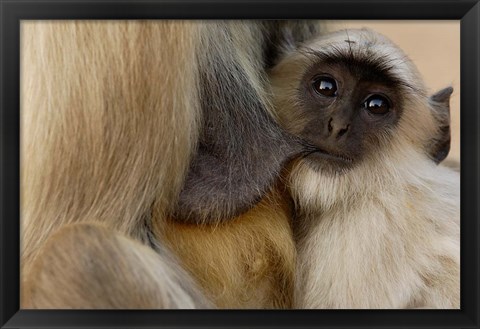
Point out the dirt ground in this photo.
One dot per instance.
(434, 46)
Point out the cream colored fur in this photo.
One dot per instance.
(386, 233)
(89, 266)
(96, 101)
(390, 243)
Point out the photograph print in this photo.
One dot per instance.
(239, 164)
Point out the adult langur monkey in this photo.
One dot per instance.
(376, 220)
(127, 123)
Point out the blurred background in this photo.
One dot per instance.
(434, 46)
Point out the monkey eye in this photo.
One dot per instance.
(377, 104)
(325, 86)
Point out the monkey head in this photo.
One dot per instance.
(355, 99)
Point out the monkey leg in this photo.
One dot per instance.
(88, 266)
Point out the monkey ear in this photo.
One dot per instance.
(440, 104)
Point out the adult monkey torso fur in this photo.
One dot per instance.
(124, 124)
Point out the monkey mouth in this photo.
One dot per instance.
(323, 154)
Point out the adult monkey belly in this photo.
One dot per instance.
(121, 121)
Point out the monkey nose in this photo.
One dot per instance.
(337, 128)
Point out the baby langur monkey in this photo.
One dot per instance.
(376, 220)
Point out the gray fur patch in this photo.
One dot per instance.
(241, 149)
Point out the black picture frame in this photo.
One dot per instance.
(13, 11)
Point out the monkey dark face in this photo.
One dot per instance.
(348, 109)
(352, 96)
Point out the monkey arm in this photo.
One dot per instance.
(90, 266)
